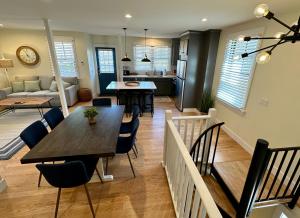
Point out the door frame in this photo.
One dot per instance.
(97, 66)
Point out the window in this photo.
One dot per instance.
(106, 60)
(236, 75)
(65, 53)
(160, 57)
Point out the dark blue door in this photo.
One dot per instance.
(107, 70)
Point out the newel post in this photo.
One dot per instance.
(168, 116)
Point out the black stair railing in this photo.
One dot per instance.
(271, 179)
(204, 149)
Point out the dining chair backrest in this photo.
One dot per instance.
(135, 112)
(54, 117)
(64, 175)
(34, 133)
(125, 143)
(102, 102)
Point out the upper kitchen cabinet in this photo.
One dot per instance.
(183, 48)
(175, 52)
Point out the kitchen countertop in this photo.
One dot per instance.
(121, 85)
(148, 76)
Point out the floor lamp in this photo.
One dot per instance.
(6, 63)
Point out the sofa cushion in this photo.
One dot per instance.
(71, 80)
(18, 86)
(18, 95)
(32, 86)
(41, 93)
(46, 82)
(53, 87)
(27, 78)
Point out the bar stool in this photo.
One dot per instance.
(148, 101)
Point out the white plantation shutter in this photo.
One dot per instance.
(160, 57)
(236, 75)
(65, 53)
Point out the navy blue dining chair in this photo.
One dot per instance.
(54, 117)
(102, 102)
(32, 135)
(68, 175)
(125, 143)
(126, 127)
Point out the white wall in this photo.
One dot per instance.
(278, 81)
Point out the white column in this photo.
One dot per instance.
(2, 184)
(58, 79)
(168, 116)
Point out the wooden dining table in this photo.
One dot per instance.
(74, 137)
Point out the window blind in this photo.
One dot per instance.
(65, 54)
(106, 60)
(160, 57)
(236, 74)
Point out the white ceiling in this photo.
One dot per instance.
(164, 18)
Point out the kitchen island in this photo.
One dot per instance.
(166, 85)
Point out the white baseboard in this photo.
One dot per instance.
(237, 138)
(3, 185)
(191, 110)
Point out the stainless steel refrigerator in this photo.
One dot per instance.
(180, 84)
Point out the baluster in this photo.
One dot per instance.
(291, 179)
(185, 132)
(209, 145)
(286, 172)
(202, 212)
(183, 193)
(192, 133)
(268, 175)
(196, 204)
(191, 186)
(179, 126)
(203, 151)
(181, 185)
(277, 173)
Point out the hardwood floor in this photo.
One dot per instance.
(145, 196)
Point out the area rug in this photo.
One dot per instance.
(11, 125)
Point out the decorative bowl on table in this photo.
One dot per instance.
(132, 83)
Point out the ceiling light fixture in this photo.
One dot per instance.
(146, 59)
(204, 19)
(128, 16)
(292, 35)
(1, 25)
(125, 58)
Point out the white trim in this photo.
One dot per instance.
(237, 138)
(3, 184)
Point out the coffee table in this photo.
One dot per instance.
(36, 102)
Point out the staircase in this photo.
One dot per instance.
(270, 178)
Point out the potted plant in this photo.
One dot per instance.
(207, 101)
(91, 113)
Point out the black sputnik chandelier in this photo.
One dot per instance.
(292, 35)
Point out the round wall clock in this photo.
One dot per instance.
(28, 55)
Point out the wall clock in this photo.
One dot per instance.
(28, 55)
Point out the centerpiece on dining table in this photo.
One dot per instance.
(91, 114)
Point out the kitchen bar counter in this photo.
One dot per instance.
(148, 76)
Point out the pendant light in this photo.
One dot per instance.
(146, 59)
(125, 58)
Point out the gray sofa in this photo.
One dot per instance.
(45, 83)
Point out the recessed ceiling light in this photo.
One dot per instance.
(128, 16)
(204, 19)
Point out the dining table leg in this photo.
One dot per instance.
(105, 178)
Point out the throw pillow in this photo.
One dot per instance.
(17, 86)
(53, 87)
(32, 86)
